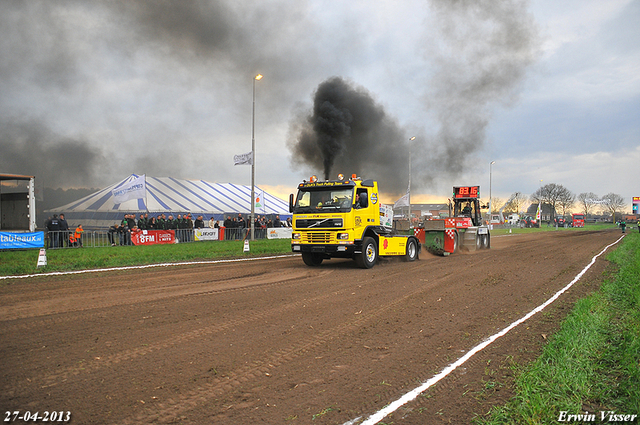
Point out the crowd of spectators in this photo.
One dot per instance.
(261, 222)
(120, 233)
(59, 234)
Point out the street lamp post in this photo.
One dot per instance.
(490, 176)
(253, 157)
(411, 139)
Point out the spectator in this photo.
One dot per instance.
(113, 231)
(78, 235)
(180, 224)
(172, 224)
(54, 231)
(152, 224)
(131, 221)
(288, 222)
(276, 221)
(64, 231)
(199, 223)
(189, 227)
(125, 231)
(72, 240)
(241, 223)
(47, 222)
(142, 222)
(134, 232)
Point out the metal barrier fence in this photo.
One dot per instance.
(103, 238)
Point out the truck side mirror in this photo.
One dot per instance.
(291, 202)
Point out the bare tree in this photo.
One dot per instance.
(586, 202)
(549, 194)
(614, 203)
(566, 199)
(515, 203)
(496, 204)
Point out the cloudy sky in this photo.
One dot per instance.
(95, 91)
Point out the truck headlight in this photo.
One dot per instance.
(343, 236)
(295, 236)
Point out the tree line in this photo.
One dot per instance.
(563, 201)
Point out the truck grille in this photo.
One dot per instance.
(318, 237)
(319, 223)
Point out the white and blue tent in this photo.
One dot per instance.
(169, 195)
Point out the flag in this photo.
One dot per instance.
(259, 201)
(405, 200)
(402, 202)
(538, 213)
(245, 158)
(135, 189)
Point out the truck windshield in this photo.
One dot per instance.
(324, 200)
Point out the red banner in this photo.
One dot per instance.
(152, 237)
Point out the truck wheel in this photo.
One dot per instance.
(369, 255)
(311, 259)
(412, 250)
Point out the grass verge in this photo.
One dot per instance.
(25, 261)
(545, 228)
(592, 364)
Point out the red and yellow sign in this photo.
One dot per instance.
(152, 237)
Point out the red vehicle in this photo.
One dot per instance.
(578, 220)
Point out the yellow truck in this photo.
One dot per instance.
(344, 219)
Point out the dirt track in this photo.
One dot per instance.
(276, 342)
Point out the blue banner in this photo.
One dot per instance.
(14, 240)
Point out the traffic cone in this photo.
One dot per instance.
(42, 258)
(246, 245)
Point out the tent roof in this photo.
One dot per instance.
(166, 194)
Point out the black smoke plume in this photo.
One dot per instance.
(31, 148)
(478, 58)
(349, 132)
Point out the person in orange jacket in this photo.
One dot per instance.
(78, 235)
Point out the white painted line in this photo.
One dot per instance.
(381, 414)
(146, 266)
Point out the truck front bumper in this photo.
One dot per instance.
(330, 250)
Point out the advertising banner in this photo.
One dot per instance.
(636, 205)
(152, 237)
(206, 234)
(15, 240)
(279, 233)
